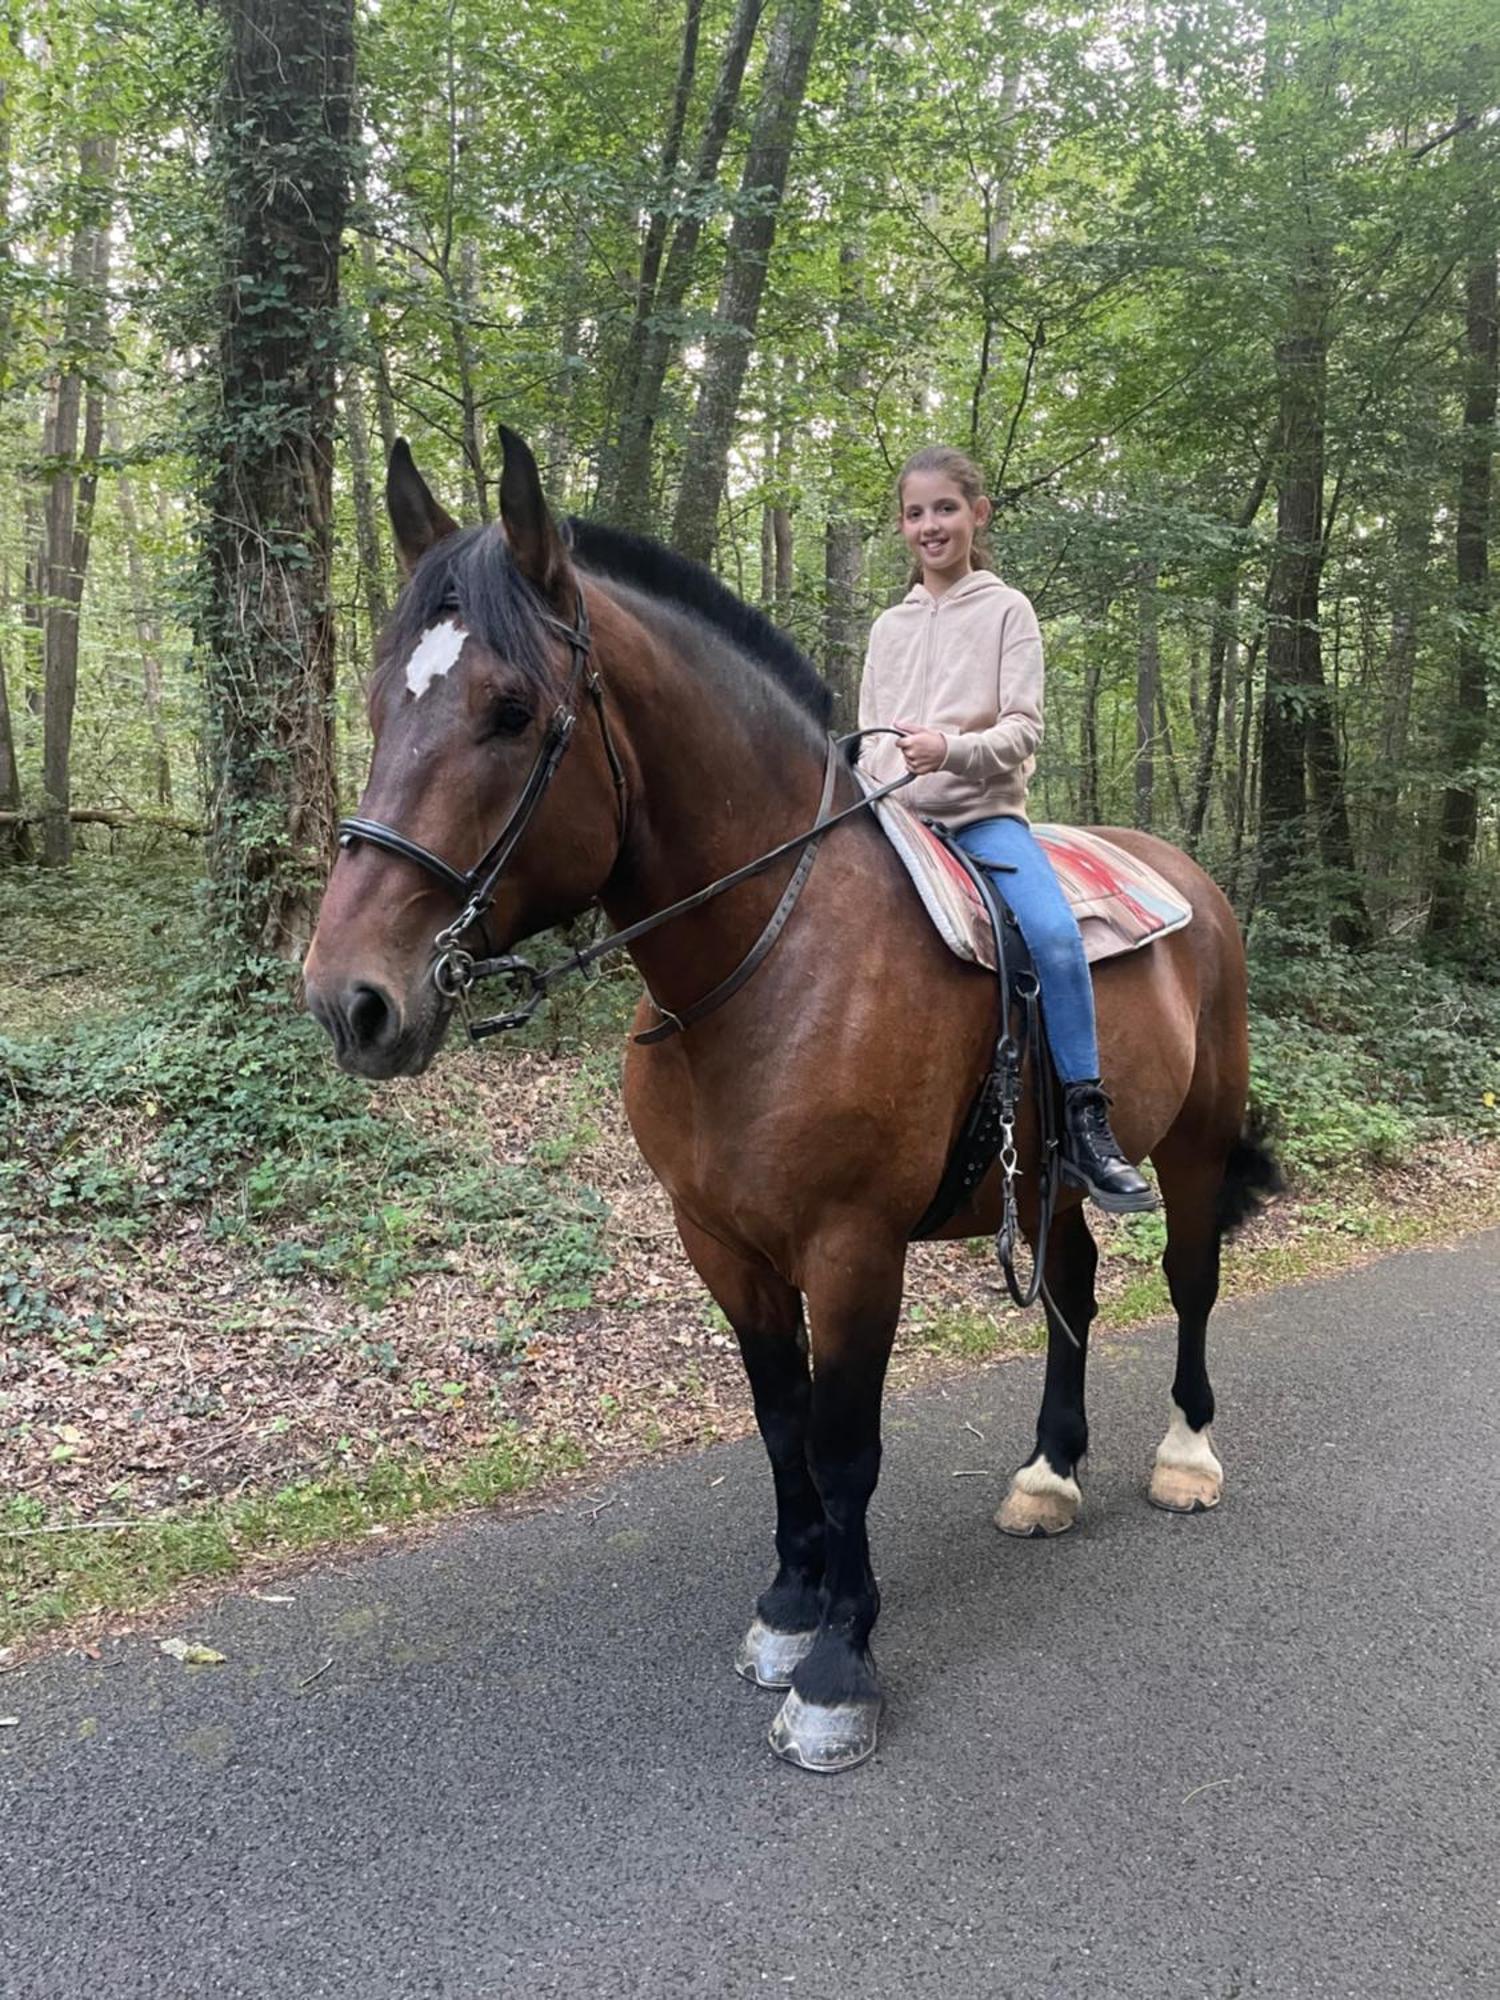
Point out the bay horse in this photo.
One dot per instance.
(801, 1127)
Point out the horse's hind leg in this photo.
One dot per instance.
(1187, 1477)
(1044, 1496)
(766, 1314)
(829, 1719)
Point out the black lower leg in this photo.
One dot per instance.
(1191, 1264)
(1062, 1431)
(845, 1462)
(781, 1386)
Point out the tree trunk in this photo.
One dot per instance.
(628, 499)
(1221, 646)
(1413, 546)
(69, 514)
(1458, 817)
(34, 583)
(1292, 595)
(1213, 703)
(558, 467)
(1301, 777)
(147, 623)
(1246, 786)
(1147, 678)
(385, 402)
(786, 572)
(366, 520)
(1088, 746)
(843, 535)
(653, 245)
(13, 843)
(843, 627)
(9, 54)
(999, 212)
(267, 629)
(462, 302)
(788, 55)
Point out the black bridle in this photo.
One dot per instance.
(455, 970)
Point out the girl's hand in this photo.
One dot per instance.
(923, 749)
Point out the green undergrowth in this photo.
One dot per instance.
(52, 1571)
(175, 1095)
(1360, 1058)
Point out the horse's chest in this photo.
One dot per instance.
(711, 1144)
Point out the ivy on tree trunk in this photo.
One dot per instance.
(265, 622)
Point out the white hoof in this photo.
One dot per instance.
(1187, 1477)
(1040, 1503)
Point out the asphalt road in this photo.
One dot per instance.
(1250, 1753)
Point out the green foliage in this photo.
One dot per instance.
(1359, 1056)
(1064, 240)
(198, 1097)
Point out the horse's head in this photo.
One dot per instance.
(475, 677)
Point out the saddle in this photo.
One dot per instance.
(1120, 902)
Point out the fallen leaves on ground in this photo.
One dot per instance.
(197, 1376)
(190, 1653)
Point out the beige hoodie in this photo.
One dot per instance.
(970, 664)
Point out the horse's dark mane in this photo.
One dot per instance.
(661, 572)
(471, 577)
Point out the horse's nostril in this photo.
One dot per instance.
(372, 1018)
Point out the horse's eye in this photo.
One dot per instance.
(508, 718)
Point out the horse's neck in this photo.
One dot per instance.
(720, 776)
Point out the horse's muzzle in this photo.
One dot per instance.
(370, 1034)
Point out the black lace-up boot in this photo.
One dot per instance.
(1092, 1158)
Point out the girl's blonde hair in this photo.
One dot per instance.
(966, 476)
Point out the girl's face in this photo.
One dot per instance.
(939, 523)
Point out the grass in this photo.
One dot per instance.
(967, 1334)
(53, 1571)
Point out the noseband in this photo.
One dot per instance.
(455, 970)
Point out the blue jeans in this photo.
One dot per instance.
(1051, 934)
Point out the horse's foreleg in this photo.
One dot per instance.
(830, 1718)
(1187, 1477)
(766, 1314)
(1044, 1497)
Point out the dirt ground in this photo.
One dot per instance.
(185, 1372)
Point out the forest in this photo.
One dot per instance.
(1208, 289)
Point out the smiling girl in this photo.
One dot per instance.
(957, 668)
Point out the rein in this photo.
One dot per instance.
(456, 971)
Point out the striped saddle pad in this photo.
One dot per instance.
(1120, 902)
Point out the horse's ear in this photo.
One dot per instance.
(420, 523)
(535, 544)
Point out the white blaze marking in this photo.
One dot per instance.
(434, 653)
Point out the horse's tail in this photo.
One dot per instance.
(1251, 1173)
